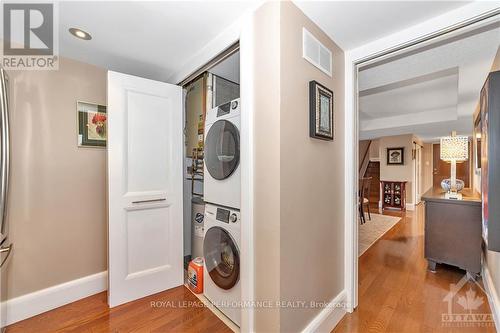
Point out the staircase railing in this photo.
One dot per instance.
(363, 165)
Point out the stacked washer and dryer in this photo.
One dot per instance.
(222, 193)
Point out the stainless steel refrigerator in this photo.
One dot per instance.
(5, 243)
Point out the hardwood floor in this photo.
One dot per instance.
(175, 310)
(398, 294)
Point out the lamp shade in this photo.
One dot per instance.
(455, 148)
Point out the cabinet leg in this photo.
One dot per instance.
(472, 276)
(431, 266)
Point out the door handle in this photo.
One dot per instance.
(149, 201)
(7, 249)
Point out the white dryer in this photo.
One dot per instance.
(222, 172)
(221, 250)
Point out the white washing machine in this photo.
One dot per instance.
(221, 250)
(222, 172)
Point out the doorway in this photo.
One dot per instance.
(384, 50)
(213, 94)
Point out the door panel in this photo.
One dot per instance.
(154, 225)
(442, 169)
(144, 187)
(146, 142)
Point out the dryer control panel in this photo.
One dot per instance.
(224, 111)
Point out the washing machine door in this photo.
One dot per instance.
(222, 149)
(222, 258)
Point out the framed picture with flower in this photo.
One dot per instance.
(92, 124)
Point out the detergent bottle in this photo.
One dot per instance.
(195, 275)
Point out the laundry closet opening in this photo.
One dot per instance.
(212, 185)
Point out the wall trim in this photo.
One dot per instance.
(40, 301)
(247, 160)
(410, 206)
(330, 316)
(492, 293)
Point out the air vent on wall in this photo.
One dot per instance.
(316, 53)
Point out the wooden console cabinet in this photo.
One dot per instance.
(393, 194)
(453, 230)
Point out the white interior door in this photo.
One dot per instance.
(145, 144)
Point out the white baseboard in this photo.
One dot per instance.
(330, 316)
(40, 301)
(493, 296)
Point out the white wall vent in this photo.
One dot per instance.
(316, 53)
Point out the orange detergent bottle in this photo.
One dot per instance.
(195, 275)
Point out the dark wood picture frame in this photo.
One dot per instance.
(321, 122)
(402, 154)
(477, 140)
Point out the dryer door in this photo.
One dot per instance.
(222, 258)
(222, 149)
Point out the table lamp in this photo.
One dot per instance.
(454, 149)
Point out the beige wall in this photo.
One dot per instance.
(362, 149)
(57, 203)
(493, 258)
(299, 215)
(375, 150)
(312, 176)
(398, 172)
(266, 40)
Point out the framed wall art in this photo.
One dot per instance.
(477, 143)
(320, 112)
(396, 156)
(92, 124)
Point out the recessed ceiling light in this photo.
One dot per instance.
(79, 33)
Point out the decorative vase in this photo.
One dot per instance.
(446, 185)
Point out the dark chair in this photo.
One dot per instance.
(363, 198)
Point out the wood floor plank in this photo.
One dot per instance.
(180, 311)
(396, 292)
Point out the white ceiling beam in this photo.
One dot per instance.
(409, 119)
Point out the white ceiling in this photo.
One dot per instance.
(354, 23)
(156, 39)
(149, 39)
(427, 93)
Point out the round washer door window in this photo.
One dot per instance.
(222, 149)
(222, 258)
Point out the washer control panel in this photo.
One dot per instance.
(227, 216)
